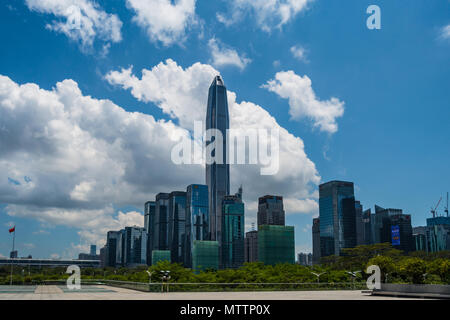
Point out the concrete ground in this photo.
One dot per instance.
(51, 292)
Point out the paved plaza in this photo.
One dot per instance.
(100, 292)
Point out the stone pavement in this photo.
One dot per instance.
(99, 292)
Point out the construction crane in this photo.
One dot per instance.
(446, 207)
(433, 211)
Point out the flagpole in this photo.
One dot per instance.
(11, 258)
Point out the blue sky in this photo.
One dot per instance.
(392, 139)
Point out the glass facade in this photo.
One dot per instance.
(197, 217)
(177, 226)
(217, 174)
(161, 236)
(113, 257)
(232, 232)
(205, 255)
(276, 244)
(316, 240)
(134, 246)
(251, 246)
(160, 255)
(337, 217)
(149, 225)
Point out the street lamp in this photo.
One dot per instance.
(353, 274)
(149, 276)
(165, 277)
(318, 275)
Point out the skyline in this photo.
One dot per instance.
(390, 144)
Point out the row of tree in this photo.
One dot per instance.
(417, 267)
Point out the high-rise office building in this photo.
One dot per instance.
(359, 223)
(270, 210)
(251, 246)
(134, 246)
(161, 235)
(400, 229)
(367, 227)
(113, 256)
(316, 241)
(232, 232)
(197, 217)
(217, 173)
(304, 259)
(160, 255)
(380, 223)
(276, 244)
(205, 255)
(337, 217)
(149, 226)
(177, 226)
(93, 251)
(420, 239)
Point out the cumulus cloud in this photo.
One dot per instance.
(165, 21)
(81, 20)
(299, 53)
(223, 56)
(303, 102)
(268, 13)
(445, 32)
(83, 157)
(182, 93)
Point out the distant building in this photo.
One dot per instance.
(276, 244)
(103, 252)
(160, 255)
(197, 217)
(161, 235)
(271, 211)
(149, 225)
(367, 227)
(438, 237)
(88, 256)
(205, 255)
(420, 239)
(233, 226)
(113, 255)
(316, 241)
(177, 226)
(93, 250)
(134, 246)
(304, 259)
(337, 217)
(251, 246)
(359, 223)
(13, 254)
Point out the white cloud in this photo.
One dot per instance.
(183, 93)
(303, 102)
(164, 20)
(268, 13)
(81, 20)
(299, 53)
(223, 56)
(445, 32)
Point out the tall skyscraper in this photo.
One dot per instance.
(217, 173)
(134, 246)
(270, 210)
(316, 241)
(113, 256)
(197, 217)
(251, 246)
(359, 223)
(161, 235)
(177, 226)
(93, 250)
(337, 217)
(149, 225)
(232, 232)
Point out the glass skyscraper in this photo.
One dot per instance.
(149, 225)
(205, 255)
(177, 226)
(232, 232)
(197, 217)
(134, 246)
(217, 174)
(337, 217)
(161, 235)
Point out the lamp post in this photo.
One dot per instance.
(353, 274)
(165, 276)
(318, 275)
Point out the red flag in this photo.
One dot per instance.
(12, 229)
